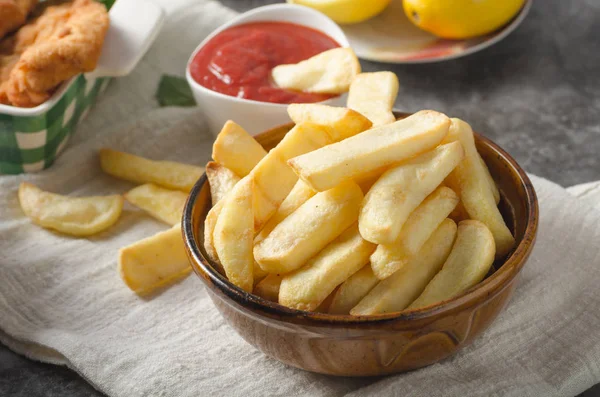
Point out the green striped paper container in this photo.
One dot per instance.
(31, 139)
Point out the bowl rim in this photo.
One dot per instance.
(241, 20)
(488, 288)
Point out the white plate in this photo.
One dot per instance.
(391, 37)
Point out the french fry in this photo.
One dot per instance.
(166, 205)
(307, 287)
(401, 189)
(209, 227)
(469, 261)
(373, 149)
(329, 72)
(268, 287)
(235, 149)
(234, 233)
(154, 261)
(396, 292)
(137, 169)
(220, 179)
(273, 178)
(490, 180)
(470, 181)
(353, 290)
(417, 229)
(309, 229)
(298, 196)
(373, 95)
(343, 122)
(230, 148)
(76, 216)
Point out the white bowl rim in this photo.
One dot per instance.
(239, 20)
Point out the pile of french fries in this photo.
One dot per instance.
(354, 212)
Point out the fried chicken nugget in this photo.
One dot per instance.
(62, 42)
(13, 14)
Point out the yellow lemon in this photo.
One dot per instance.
(461, 19)
(346, 11)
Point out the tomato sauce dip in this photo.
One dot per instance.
(238, 61)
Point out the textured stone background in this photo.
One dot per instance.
(536, 93)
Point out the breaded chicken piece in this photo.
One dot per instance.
(62, 42)
(13, 14)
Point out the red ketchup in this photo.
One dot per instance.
(238, 61)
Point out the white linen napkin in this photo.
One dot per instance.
(62, 301)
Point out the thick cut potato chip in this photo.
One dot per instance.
(395, 293)
(344, 122)
(471, 182)
(235, 149)
(298, 196)
(469, 261)
(154, 261)
(417, 229)
(234, 233)
(137, 169)
(307, 287)
(273, 178)
(329, 72)
(373, 149)
(163, 204)
(401, 189)
(324, 306)
(268, 287)
(220, 179)
(373, 95)
(353, 290)
(309, 229)
(76, 216)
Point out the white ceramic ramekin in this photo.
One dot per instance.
(257, 116)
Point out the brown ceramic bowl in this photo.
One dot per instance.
(371, 345)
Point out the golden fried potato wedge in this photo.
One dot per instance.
(268, 287)
(401, 189)
(309, 229)
(236, 149)
(307, 287)
(76, 216)
(353, 290)
(490, 180)
(344, 122)
(373, 149)
(373, 95)
(399, 290)
(154, 261)
(324, 306)
(417, 229)
(169, 174)
(469, 261)
(472, 184)
(209, 228)
(329, 72)
(166, 205)
(220, 179)
(234, 233)
(298, 196)
(273, 178)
